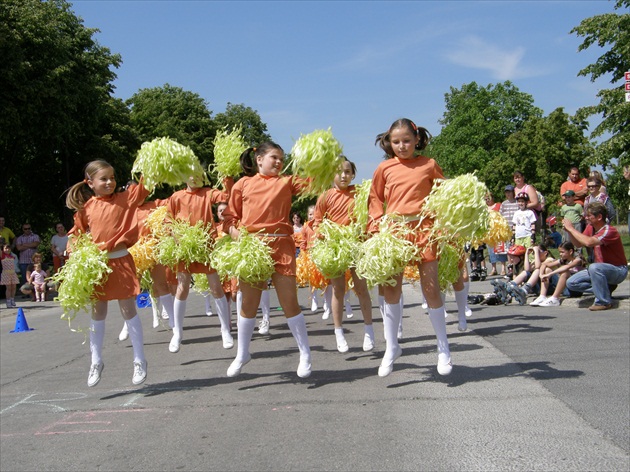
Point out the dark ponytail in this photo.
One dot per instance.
(248, 158)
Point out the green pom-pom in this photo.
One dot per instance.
(228, 148)
(317, 156)
(248, 259)
(335, 254)
(164, 161)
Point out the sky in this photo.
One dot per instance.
(354, 66)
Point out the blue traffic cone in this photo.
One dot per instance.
(20, 322)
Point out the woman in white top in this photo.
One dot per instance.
(58, 244)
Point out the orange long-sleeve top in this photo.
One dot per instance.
(196, 204)
(111, 220)
(309, 235)
(400, 187)
(335, 205)
(263, 203)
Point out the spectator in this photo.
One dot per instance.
(575, 183)
(58, 245)
(595, 194)
(27, 288)
(571, 211)
(610, 266)
(520, 187)
(554, 236)
(496, 254)
(26, 245)
(6, 233)
(524, 222)
(596, 173)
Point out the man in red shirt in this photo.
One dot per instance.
(577, 184)
(610, 266)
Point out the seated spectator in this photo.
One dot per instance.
(27, 288)
(554, 238)
(528, 281)
(610, 266)
(556, 272)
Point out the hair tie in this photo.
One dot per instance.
(85, 181)
(254, 149)
(413, 125)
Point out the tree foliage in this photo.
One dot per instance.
(476, 125)
(254, 130)
(546, 148)
(56, 109)
(610, 32)
(175, 113)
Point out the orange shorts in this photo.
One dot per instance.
(420, 238)
(122, 283)
(283, 254)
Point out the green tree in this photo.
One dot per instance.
(611, 31)
(476, 125)
(175, 113)
(545, 149)
(56, 110)
(254, 130)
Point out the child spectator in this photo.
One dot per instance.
(38, 281)
(554, 236)
(556, 272)
(524, 222)
(571, 210)
(528, 281)
(9, 276)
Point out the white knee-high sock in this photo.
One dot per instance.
(391, 321)
(207, 296)
(179, 310)
(265, 306)
(168, 303)
(137, 338)
(328, 298)
(156, 308)
(461, 297)
(239, 304)
(346, 301)
(223, 310)
(245, 328)
(297, 325)
(467, 289)
(381, 305)
(97, 336)
(436, 315)
(402, 307)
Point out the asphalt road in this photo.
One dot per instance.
(531, 389)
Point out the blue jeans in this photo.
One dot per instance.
(597, 278)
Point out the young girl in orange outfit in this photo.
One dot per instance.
(399, 188)
(194, 204)
(336, 205)
(260, 202)
(110, 218)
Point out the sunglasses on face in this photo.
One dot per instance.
(592, 186)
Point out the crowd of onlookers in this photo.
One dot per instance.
(590, 252)
(23, 267)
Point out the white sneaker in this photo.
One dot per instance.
(175, 344)
(342, 344)
(209, 313)
(425, 305)
(326, 315)
(236, 366)
(385, 369)
(538, 301)
(445, 368)
(468, 312)
(304, 367)
(94, 375)
(551, 301)
(368, 342)
(124, 333)
(228, 340)
(263, 327)
(139, 372)
(462, 326)
(349, 314)
(164, 314)
(399, 335)
(314, 305)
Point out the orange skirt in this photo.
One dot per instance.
(283, 254)
(122, 283)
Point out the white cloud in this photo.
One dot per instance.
(503, 64)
